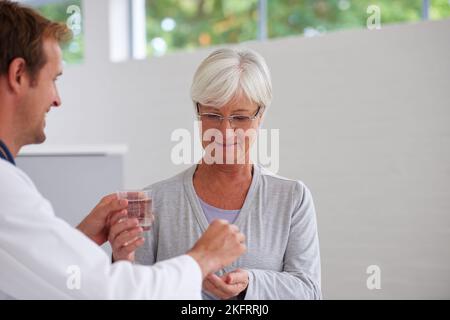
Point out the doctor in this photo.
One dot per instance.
(41, 256)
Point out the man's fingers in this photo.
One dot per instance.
(109, 204)
(121, 226)
(241, 237)
(108, 198)
(115, 204)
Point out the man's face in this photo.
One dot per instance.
(42, 95)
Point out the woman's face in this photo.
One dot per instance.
(225, 142)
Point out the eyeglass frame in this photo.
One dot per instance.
(229, 118)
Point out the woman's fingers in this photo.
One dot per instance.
(237, 276)
(115, 217)
(121, 226)
(208, 286)
(126, 237)
(220, 285)
(125, 251)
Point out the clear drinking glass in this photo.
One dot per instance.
(139, 206)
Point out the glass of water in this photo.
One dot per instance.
(139, 206)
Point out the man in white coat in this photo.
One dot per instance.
(41, 256)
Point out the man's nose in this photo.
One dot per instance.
(57, 101)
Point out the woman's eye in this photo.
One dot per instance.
(240, 118)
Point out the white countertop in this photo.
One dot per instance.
(64, 150)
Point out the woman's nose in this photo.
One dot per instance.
(225, 124)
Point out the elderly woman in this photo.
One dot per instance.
(231, 90)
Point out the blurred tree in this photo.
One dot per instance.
(188, 24)
(288, 17)
(440, 9)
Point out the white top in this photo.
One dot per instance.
(43, 257)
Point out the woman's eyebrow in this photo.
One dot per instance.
(209, 109)
(215, 110)
(242, 110)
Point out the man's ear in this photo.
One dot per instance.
(17, 74)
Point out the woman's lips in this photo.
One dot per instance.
(227, 145)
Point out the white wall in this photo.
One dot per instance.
(364, 119)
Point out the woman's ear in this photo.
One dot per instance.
(261, 118)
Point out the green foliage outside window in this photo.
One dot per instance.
(187, 24)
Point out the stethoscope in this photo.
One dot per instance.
(5, 154)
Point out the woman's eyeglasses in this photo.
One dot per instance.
(236, 121)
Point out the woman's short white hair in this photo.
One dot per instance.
(227, 73)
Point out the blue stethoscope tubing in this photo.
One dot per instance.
(6, 154)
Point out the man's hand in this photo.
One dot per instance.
(220, 245)
(227, 286)
(96, 224)
(124, 237)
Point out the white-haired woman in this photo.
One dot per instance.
(231, 90)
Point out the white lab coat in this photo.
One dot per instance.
(43, 257)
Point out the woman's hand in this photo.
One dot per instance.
(227, 286)
(125, 236)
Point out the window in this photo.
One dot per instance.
(189, 24)
(66, 11)
(439, 9)
(157, 27)
(289, 17)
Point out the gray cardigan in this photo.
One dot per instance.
(278, 219)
